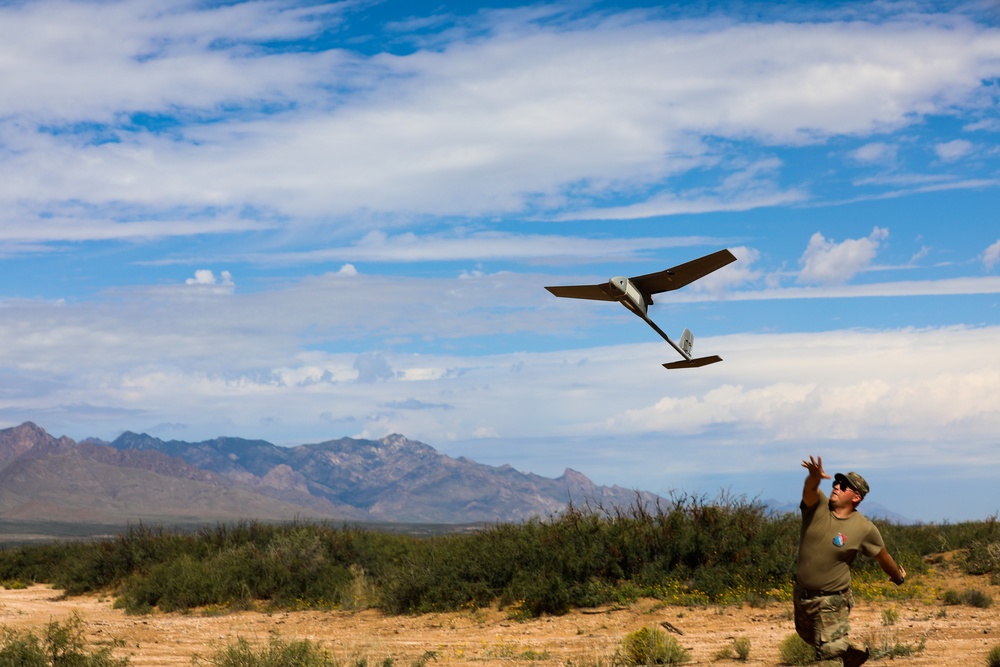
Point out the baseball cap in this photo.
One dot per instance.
(855, 481)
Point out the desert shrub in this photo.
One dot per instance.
(276, 653)
(21, 650)
(741, 645)
(983, 557)
(886, 643)
(977, 598)
(993, 657)
(652, 646)
(972, 597)
(794, 650)
(951, 597)
(61, 645)
(739, 649)
(689, 550)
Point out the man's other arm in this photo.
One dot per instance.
(896, 573)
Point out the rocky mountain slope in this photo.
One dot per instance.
(393, 479)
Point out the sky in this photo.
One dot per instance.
(298, 220)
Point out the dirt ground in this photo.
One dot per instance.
(956, 636)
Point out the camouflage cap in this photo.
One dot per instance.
(855, 481)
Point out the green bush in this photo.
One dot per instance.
(951, 597)
(276, 653)
(741, 645)
(689, 550)
(972, 597)
(983, 557)
(738, 650)
(795, 651)
(61, 645)
(652, 646)
(993, 657)
(977, 598)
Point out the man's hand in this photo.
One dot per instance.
(815, 467)
(810, 490)
(895, 571)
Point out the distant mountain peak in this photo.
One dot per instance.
(391, 479)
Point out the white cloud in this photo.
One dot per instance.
(508, 121)
(372, 367)
(207, 277)
(906, 386)
(458, 244)
(730, 277)
(827, 262)
(771, 394)
(949, 151)
(875, 152)
(991, 256)
(67, 61)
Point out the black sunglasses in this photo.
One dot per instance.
(844, 485)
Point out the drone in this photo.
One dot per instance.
(636, 294)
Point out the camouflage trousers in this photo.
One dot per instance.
(822, 621)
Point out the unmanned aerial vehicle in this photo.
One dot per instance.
(636, 294)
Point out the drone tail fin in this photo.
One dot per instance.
(687, 342)
(685, 345)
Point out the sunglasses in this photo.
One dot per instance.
(844, 485)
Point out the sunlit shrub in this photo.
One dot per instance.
(276, 653)
(651, 646)
(61, 645)
(794, 650)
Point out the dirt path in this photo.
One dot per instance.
(956, 636)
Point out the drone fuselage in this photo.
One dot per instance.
(630, 296)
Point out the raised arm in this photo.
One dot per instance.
(810, 490)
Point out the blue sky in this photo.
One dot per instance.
(299, 221)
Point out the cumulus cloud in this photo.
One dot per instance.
(827, 262)
(207, 277)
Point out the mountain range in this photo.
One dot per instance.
(140, 477)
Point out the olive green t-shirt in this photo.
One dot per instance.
(829, 544)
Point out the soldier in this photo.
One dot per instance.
(833, 532)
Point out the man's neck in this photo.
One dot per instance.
(841, 512)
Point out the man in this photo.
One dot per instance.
(833, 532)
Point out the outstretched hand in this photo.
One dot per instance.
(815, 467)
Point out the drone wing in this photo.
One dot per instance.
(601, 292)
(679, 276)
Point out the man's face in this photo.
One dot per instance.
(843, 494)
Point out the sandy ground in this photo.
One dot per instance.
(956, 636)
